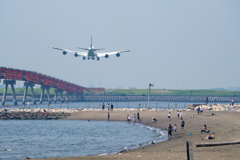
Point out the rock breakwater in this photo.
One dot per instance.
(31, 114)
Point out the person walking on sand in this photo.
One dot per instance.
(138, 116)
(111, 106)
(175, 128)
(182, 124)
(45, 113)
(108, 116)
(103, 105)
(169, 131)
(134, 118)
(169, 116)
(108, 106)
(178, 114)
(181, 114)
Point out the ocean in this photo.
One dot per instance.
(64, 138)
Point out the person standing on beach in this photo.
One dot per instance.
(182, 124)
(181, 114)
(232, 102)
(103, 105)
(108, 106)
(175, 128)
(108, 116)
(111, 106)
(129, 118)
(134, 118)
(169, 131)
(138, 116)
(178, 114)
(169, 116)
(28, 104)
(200, 108)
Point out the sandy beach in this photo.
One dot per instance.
(225, 125)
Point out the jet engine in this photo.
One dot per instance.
(118, 54)
(75, 54)
(64, 52)
(106, 56)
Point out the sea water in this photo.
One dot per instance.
(63, 138)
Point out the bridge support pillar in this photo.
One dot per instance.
(29, 84)
(62, 100)
(33, 95)
(7, 82)
(67, 97)
(81, 96)
(56, 94)
(42, 94)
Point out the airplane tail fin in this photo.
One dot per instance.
(91, 42)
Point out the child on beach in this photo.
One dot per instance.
(128, 118)
(175, 128)
(182, 124)
(134, 118)
(169, 116)
(140, 122)
(154, 119)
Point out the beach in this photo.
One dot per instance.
(225, 125)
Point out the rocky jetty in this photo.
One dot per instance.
(31, 114)
(222, 107)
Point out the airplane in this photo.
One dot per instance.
(90, 52)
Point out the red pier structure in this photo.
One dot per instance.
(30, 78)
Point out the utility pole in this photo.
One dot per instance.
(149, 94)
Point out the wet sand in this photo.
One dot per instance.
(225, 125)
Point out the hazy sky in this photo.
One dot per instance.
(178, 44)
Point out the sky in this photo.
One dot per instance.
(177, 44)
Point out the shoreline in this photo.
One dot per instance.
(226, 126)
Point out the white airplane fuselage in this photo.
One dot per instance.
(90, 53)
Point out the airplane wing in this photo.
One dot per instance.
(65, 51)
(111, 53)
